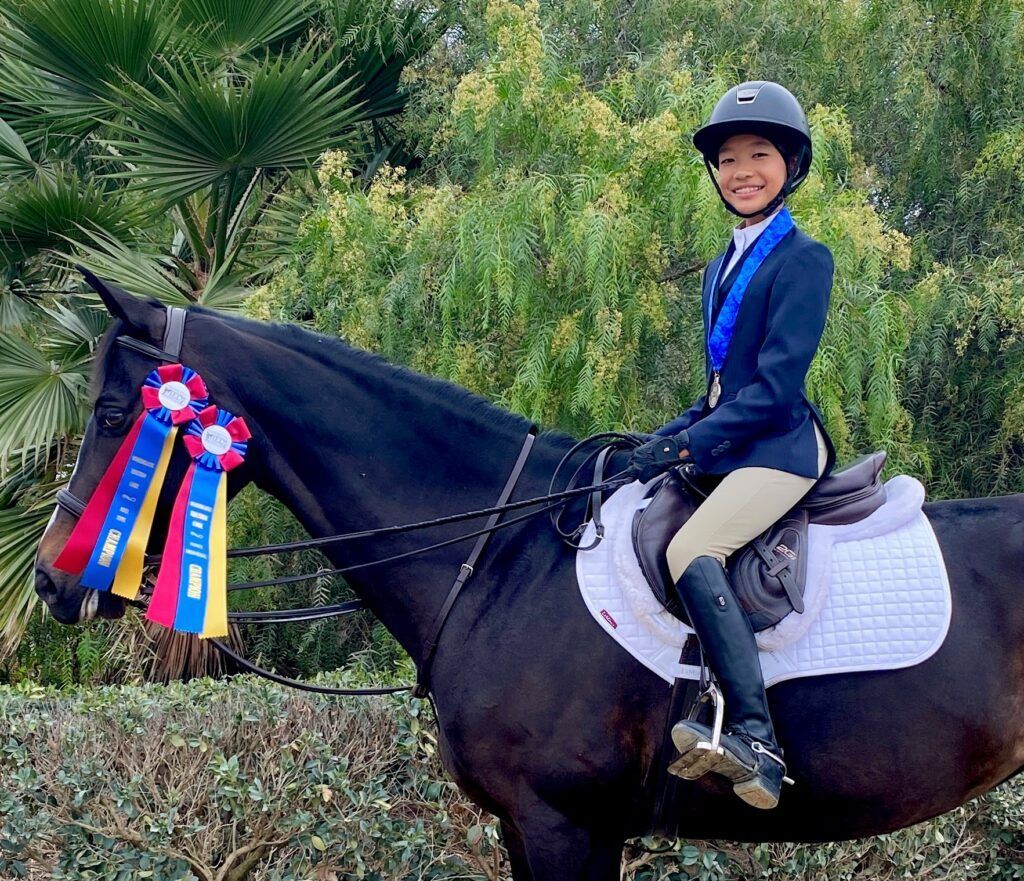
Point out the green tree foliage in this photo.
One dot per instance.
(550, 258)
(541, 241)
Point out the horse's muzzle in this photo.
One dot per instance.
(72, 604)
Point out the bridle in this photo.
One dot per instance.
(171, 351)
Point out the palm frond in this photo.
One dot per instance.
(14, 311)
(42, 212)
(40, 399)
(15, 159)
(228, 29)
(223, 289)
(134, 268)
(71, 335)
(147, 273)
(196, 129)
(17, 79)
(16, 296)
(21, 528)
(80, 48)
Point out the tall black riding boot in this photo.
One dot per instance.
(750, 756)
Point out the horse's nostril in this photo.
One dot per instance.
(45, 587)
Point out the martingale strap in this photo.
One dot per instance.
(422, 688)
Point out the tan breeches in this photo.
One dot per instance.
(741, 507)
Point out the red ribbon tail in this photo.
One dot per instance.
(78, 548)
(164, 604)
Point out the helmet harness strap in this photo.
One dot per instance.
(791, 183)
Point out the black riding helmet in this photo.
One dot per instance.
(764, 108)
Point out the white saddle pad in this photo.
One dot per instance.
(877, 595)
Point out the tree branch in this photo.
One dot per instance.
(226, 874)
(134, 837)
(672, 273)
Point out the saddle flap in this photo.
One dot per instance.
(653, 528)
(767, 574)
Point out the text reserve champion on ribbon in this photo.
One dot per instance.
(191, 588)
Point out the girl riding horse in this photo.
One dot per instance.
(764, 300)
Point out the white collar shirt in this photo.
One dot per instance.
(742, 238)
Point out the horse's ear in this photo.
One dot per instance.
(146, 316)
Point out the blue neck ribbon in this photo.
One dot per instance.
(720, 335)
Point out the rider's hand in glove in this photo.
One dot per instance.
(658, 455)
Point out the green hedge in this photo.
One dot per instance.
(243, 779)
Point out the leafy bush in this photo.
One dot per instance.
(228, 780)
(245, 780)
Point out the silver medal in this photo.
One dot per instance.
(715, 392)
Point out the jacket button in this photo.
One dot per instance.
(725, 444)
(715, 451)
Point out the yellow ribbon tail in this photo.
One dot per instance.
(128, 578)
(215, 621)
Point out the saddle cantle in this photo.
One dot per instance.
(769, 572)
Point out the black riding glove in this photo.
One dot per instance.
(658, 455)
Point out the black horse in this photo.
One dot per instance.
(543, 720)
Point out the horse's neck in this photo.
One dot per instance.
(350, 443)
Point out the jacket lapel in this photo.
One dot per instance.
(706, 295)
(727, 282)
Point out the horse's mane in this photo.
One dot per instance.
(335, 353)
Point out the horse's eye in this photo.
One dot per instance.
(112, 419)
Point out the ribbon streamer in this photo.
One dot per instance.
(191, 588)
(108, 544)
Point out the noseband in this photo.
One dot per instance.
(170, 352)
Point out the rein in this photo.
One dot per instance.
(550, 503)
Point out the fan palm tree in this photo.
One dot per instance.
(167, 145)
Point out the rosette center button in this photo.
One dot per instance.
(216, 440)
(174, 396)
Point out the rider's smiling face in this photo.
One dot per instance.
(751, 171)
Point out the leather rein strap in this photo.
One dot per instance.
(422, 687)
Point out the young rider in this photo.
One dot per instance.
(764, 303)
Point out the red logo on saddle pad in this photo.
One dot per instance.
(609, 618)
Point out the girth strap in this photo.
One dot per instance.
(422, 688)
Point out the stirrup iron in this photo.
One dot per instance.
(704, 755)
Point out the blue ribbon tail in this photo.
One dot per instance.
(124, 510)
(194, 587)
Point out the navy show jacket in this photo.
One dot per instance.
(764, 418)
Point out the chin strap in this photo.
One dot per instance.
(792, 182)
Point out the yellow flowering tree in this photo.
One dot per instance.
(548, 254)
